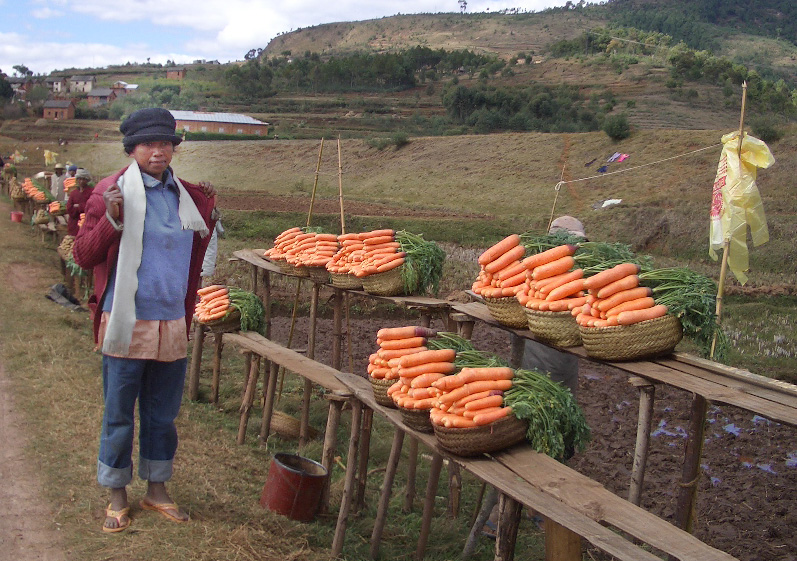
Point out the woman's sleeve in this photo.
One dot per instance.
(95, 236)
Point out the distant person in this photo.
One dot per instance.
(71, 170)
(57, 183)
(145, 236)
(209, 263)
(76, 203)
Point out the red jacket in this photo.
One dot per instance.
(97, 246)
(75, 206)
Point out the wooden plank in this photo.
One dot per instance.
(590, 498)
(314, 371)
(737, 373)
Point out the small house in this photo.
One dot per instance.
(121, 88)
(224, 123)
(176, 73)
(56, 84)
(59, 109)
(100, 96)
(83, 84)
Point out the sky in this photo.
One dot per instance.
(48, 35)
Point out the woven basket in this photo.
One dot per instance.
(380, 391)
(284, 266)
(501, 434)
(630, 342)
(318, 274)
(300, 271)
(344, 280)
(417, 419)
(507, 311)
(388, 283)
(555, 328)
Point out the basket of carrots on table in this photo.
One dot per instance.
(229, 308)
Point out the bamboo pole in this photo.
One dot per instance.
(556, 197)
(726, 245)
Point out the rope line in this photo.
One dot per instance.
(559, 185)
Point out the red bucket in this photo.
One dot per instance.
(294, 486)
(16, 216)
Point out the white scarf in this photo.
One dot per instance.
(119, 331)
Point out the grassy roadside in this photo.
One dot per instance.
(48, 355)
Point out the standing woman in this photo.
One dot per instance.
(76, 203)
(145, 236)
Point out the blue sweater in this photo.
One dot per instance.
(163, 274)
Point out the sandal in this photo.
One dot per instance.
(164, 509)
(117, 515)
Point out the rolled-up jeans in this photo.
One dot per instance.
(158, 387)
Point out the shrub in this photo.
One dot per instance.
(617, 126)
(767, 129)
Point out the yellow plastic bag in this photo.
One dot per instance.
(736, 202)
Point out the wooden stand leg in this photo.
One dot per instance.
(690, 474)
(464, 324)
(479, 521)
(454, 489)
(267, 302)
(646, 395)
(337, 329)
(247, 368)
(304, 421)
(428, 505)
(561, 544)
(412, 466)
(268, 404)
(387, 490)
(365, 450)
(330, 444)
(196, 362)
(249, 398)
(518, 344)
(214, 387)
(508, 523)
(351, 472)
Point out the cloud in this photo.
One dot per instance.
(46, 13)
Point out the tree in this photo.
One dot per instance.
(617, 126)
(6, 91)
(23, 70)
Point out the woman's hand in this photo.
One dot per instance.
(113, 201)
(208, 189)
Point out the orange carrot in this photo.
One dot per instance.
(565, 290)
(549, 255)
(404, 332)
(558, 280)
(474, 387)
(505, 260)
(471, 413)
(497, 250)
(424, 393)
(426, 368)
(442, 355)
(215, 294)
(511, 271)
(623, 296)
(617, 272)
(390, 265)
(561, 265)
(478, 395)
(573, 303)
(375, 233)
(404, 343)
(557, 305)
(458, 422)
(387, 354)
(209, 289)
(426, 380)
(625, 283)
(467, 375)
(636, 304)
(489, 401)
(492, 416)
(635, 316)
(514, 280)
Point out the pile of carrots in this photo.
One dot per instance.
(69, 184)
(32, 191)
(214, 303)
(394, 343)
(502, 272)
(552, 284)
(614, 297)
(349, 256)
(81, 219)
(471, 398)
(304, 249)
(55, 207)
(381, 253)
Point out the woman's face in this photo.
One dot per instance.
(82, 182)
(153, 157)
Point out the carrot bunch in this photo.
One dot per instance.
(69, 184)
(552, 284)
(381, 253)
(349, 256)
(81, 219)
(54, 207)
(501, 272)
(614, 297)
(418, 372)
(214, 303)
(394, 343)
(304, 249)
(32, 191)
(472, 398)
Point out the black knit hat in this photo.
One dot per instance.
(147, 125)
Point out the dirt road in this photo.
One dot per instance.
(27, 528)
